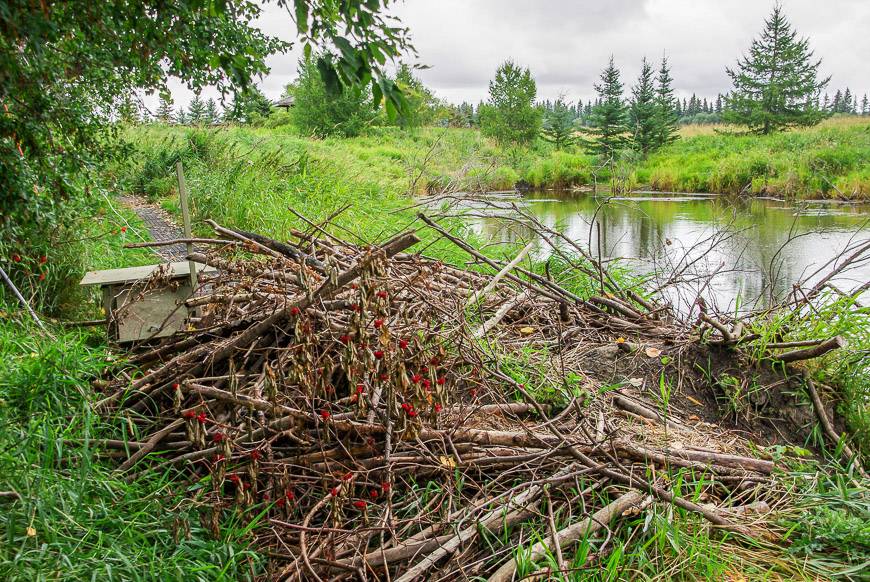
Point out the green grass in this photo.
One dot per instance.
(76, 519)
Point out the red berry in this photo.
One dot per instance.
(324, 414)
(294, 310)
(354, 398)
(412, 413)
(373, 493)
(345, 339)
(218, 458)
(424, 369)
(356, 307)
(521, 386)
(290, 495)
(379, 323)
(359, 504)
(16, 258)
(385, 486)
(176, 386)
(189, 414)
(416, 378)
(234, 478)
(441, 381)
(43, 259)
(255, 455)
(354, 286)
(359, 388)
(403, 343)
(405, 405)
(334, 491)
(384, 377)
(473, 392)
(437, 408)
(347, 476)
(279, 503)
(123, 229)
(42, 276)
(217, 437)
(427, 384)
(382, 294)
(201, 417)
(434, 361)
(379, 354)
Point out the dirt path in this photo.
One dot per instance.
(159, 224)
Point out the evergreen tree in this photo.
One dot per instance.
(211, 115)
(164, 110)
(643, 121)
(247, 105)
(848, 106)
(511, 116)
(558, 127)
(128, 110)
(775, 87)
(181, 117)
(667, 107)
(826, 104)
(865, 106)
(196, 111)
(608, 120)
(719, 103)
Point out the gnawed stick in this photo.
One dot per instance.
(499, 315)
(828, 427)
(475, 296)
(150, 444)
(813, 352)
(574, 532)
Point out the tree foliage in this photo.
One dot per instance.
(64, 64)
(247, 105)
(422, 105)
(559, 127)
(666, 106)
(642, 113)
(164, 109)
(608, 120)
(776, 85)
(510, 116)
(317, 113)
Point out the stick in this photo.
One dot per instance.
(175, 241)
(828, 426)
(185, 215)
(475, 296)
(572, 533)
(813, 352)
(499, 315)
(21, 299)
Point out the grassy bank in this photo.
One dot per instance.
(831, 160)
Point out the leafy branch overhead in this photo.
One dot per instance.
(64, 66)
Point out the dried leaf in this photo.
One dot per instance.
(448, 462)
(527, 330)
(620, 340)
(694, 401)
(653, 352)
(31, 532)
(636, 382)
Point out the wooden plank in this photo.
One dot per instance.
(133, 274)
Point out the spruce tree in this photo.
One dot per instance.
(667, 107)
(558, 127)
(181, 117)
(607, 123)
(164, 110)
(128, 110)
(247, 105)
(196, 111)
(865, 105)
(848, 106)
(211, 115)
(719, 103)
(510, 115)
(642, 118)
(776, 85)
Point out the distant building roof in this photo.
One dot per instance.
(285, 102)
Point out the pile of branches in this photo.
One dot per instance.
(359, 397)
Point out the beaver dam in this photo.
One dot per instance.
(374, 414)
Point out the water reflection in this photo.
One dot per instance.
(757, 248)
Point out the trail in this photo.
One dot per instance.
(160, 226)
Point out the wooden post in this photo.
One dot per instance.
(185, 214)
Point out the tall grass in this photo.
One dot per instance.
(75, 519)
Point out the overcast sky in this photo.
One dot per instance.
(566, 44)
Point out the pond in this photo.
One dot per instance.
(755, 249)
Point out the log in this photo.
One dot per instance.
(813, 352)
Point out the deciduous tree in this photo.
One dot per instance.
(510, 116)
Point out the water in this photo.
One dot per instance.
(757, 249)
